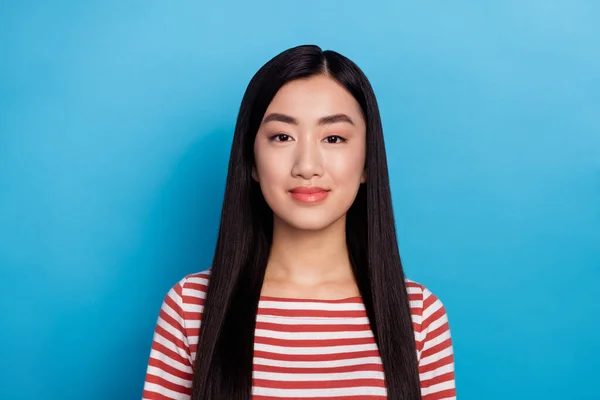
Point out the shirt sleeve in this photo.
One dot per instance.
(436, 362)
(169, 374)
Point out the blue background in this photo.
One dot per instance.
(116, 120)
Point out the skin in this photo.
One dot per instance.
(313, 134)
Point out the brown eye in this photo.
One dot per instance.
(334, 139)
(280, 137)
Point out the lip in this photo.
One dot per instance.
(309, 195)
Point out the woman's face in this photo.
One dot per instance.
(310, 153)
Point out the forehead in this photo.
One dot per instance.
(312, 98)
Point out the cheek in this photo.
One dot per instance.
(272, 171)
(346, 168)
(262, 160)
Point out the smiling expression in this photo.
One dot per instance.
(310, 152)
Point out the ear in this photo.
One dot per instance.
(363, 177)
(254, 174)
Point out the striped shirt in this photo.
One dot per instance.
(303, 349)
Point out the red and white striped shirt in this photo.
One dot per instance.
(303, 349)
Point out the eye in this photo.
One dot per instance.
(334, 139)
(280, 137)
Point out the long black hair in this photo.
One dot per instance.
(223, 366)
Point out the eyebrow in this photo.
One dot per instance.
(328, 120)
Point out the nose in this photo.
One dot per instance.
(308, 162)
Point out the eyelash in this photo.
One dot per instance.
(279, 135)
(341, 139)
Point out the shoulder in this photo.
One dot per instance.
(426, 307)
(196, 282)
(430, 320)
(190, 291)
(419, 292)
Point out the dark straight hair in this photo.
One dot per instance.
(224, 357)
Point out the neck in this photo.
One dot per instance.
(309, 258)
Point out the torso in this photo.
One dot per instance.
(308, 348)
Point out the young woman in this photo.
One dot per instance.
(306, 297)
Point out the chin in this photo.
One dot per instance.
(309, 221)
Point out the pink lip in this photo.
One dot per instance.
(305, 194)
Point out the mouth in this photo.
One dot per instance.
(309, 195)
